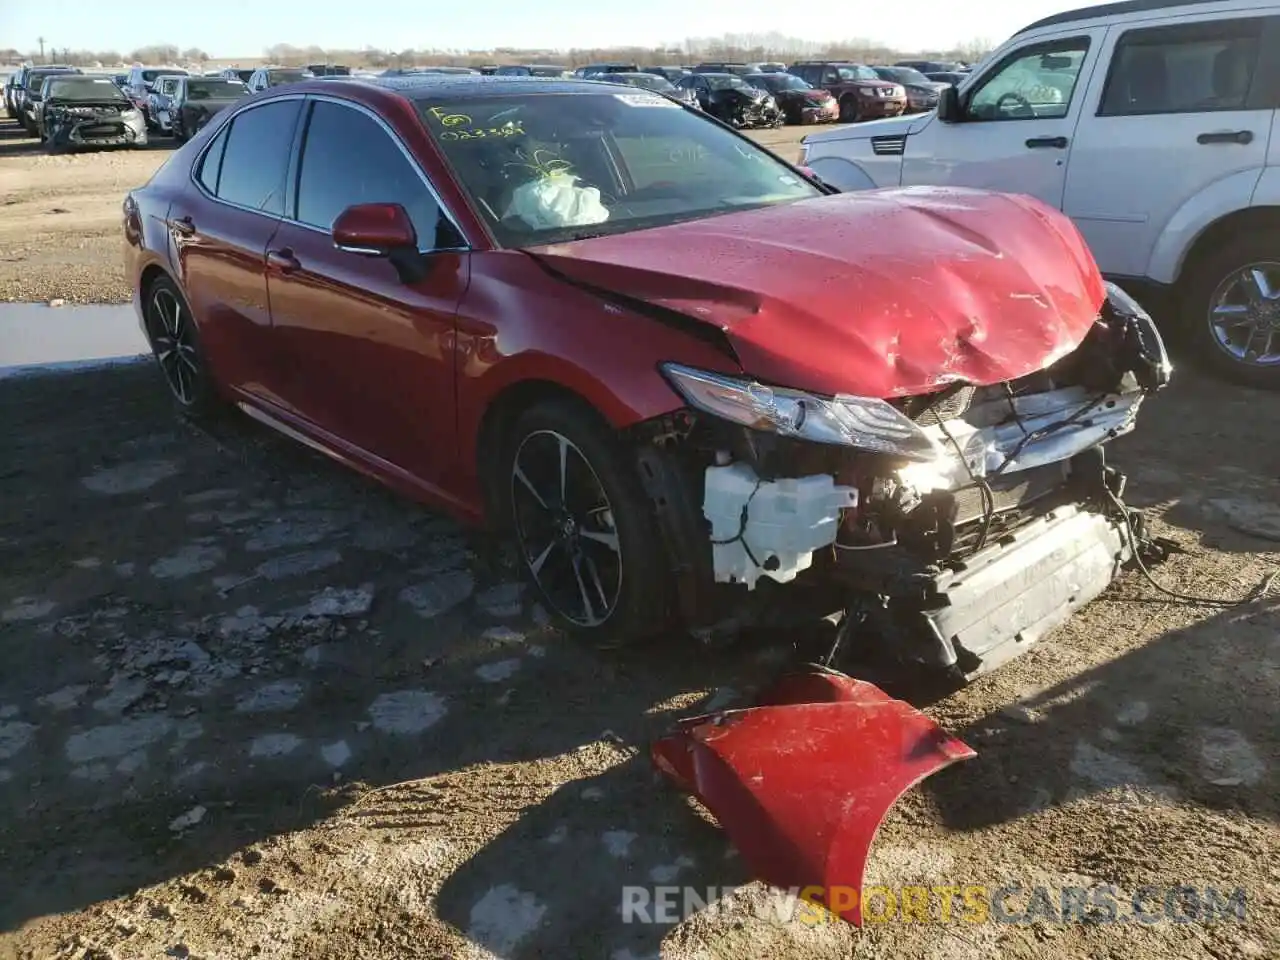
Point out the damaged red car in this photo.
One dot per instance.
(689, 380)
(675, 368)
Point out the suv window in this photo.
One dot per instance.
(349, 158)
(256, 156)
(1187, 68)
(1034, 83)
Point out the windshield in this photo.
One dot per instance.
(777, 82)
(544, 168)
(211, 89)
(149, 76)
(35, 78)
(902, 74)
(286, 76)
(84, 88)
(856, 73)
(727, 82)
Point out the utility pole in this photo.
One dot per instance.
(40, 40)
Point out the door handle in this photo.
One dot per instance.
(1058, 143)
(1234, 136)
(183, 225)
(283, 260)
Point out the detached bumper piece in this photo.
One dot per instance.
(801, 781)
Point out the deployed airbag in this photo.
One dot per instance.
(557, 200)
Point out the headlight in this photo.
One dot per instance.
(862, 422)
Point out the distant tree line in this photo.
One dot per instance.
(156, 53)
(747, 47)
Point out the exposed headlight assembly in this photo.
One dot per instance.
(866, 423)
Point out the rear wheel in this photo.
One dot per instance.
(1231, 310)
(175, 341)
(581, 523)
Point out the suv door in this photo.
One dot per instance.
(1177, 111)
(219, 233)
(1016, 122)
(371, 357)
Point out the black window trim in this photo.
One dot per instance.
(295, 172)
(1262, 80)
(223, 128)
(1017, 53)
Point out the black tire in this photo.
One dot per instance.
(1212, 283)
(175, 343)
(849, 112)
(629, 585)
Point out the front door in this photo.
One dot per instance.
(1183, 109)
(1018, 120)
(219, 236)
(371, 358)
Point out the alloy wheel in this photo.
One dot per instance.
(564, 524)
(174, 344)
(1244, 314)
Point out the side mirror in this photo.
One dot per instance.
(381, 230)
(950, 109)
(374, 230)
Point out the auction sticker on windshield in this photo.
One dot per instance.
(645, 100)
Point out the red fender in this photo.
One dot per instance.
(801, 782)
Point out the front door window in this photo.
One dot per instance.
(1032, 84)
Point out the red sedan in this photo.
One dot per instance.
(675, 367)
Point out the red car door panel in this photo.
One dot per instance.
(219, 236)
(369, 357)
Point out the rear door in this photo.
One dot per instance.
(371, 358)
(1181, 109)
(1019, 118)
(219, 234)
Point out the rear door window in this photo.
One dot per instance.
(256, 156)
(1187, 68)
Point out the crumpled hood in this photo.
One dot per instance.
(877, 293)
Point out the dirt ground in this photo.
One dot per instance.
(254, 706)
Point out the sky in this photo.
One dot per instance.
(229, 28)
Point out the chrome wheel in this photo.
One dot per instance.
(173, 341)
(1244, 316)
(565, 528)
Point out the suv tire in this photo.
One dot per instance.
(1208, 283)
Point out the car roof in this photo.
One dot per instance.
(1110, 10)
(463, 85)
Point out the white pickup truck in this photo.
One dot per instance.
(1152, 124)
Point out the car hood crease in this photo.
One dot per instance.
(881, 293)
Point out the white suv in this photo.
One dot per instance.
(1150, 123)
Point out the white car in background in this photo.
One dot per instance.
(1152, 124)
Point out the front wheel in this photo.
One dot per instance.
(582, 524)
(849, 110)
(1231, 310)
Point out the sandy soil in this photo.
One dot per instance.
(253, 706)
